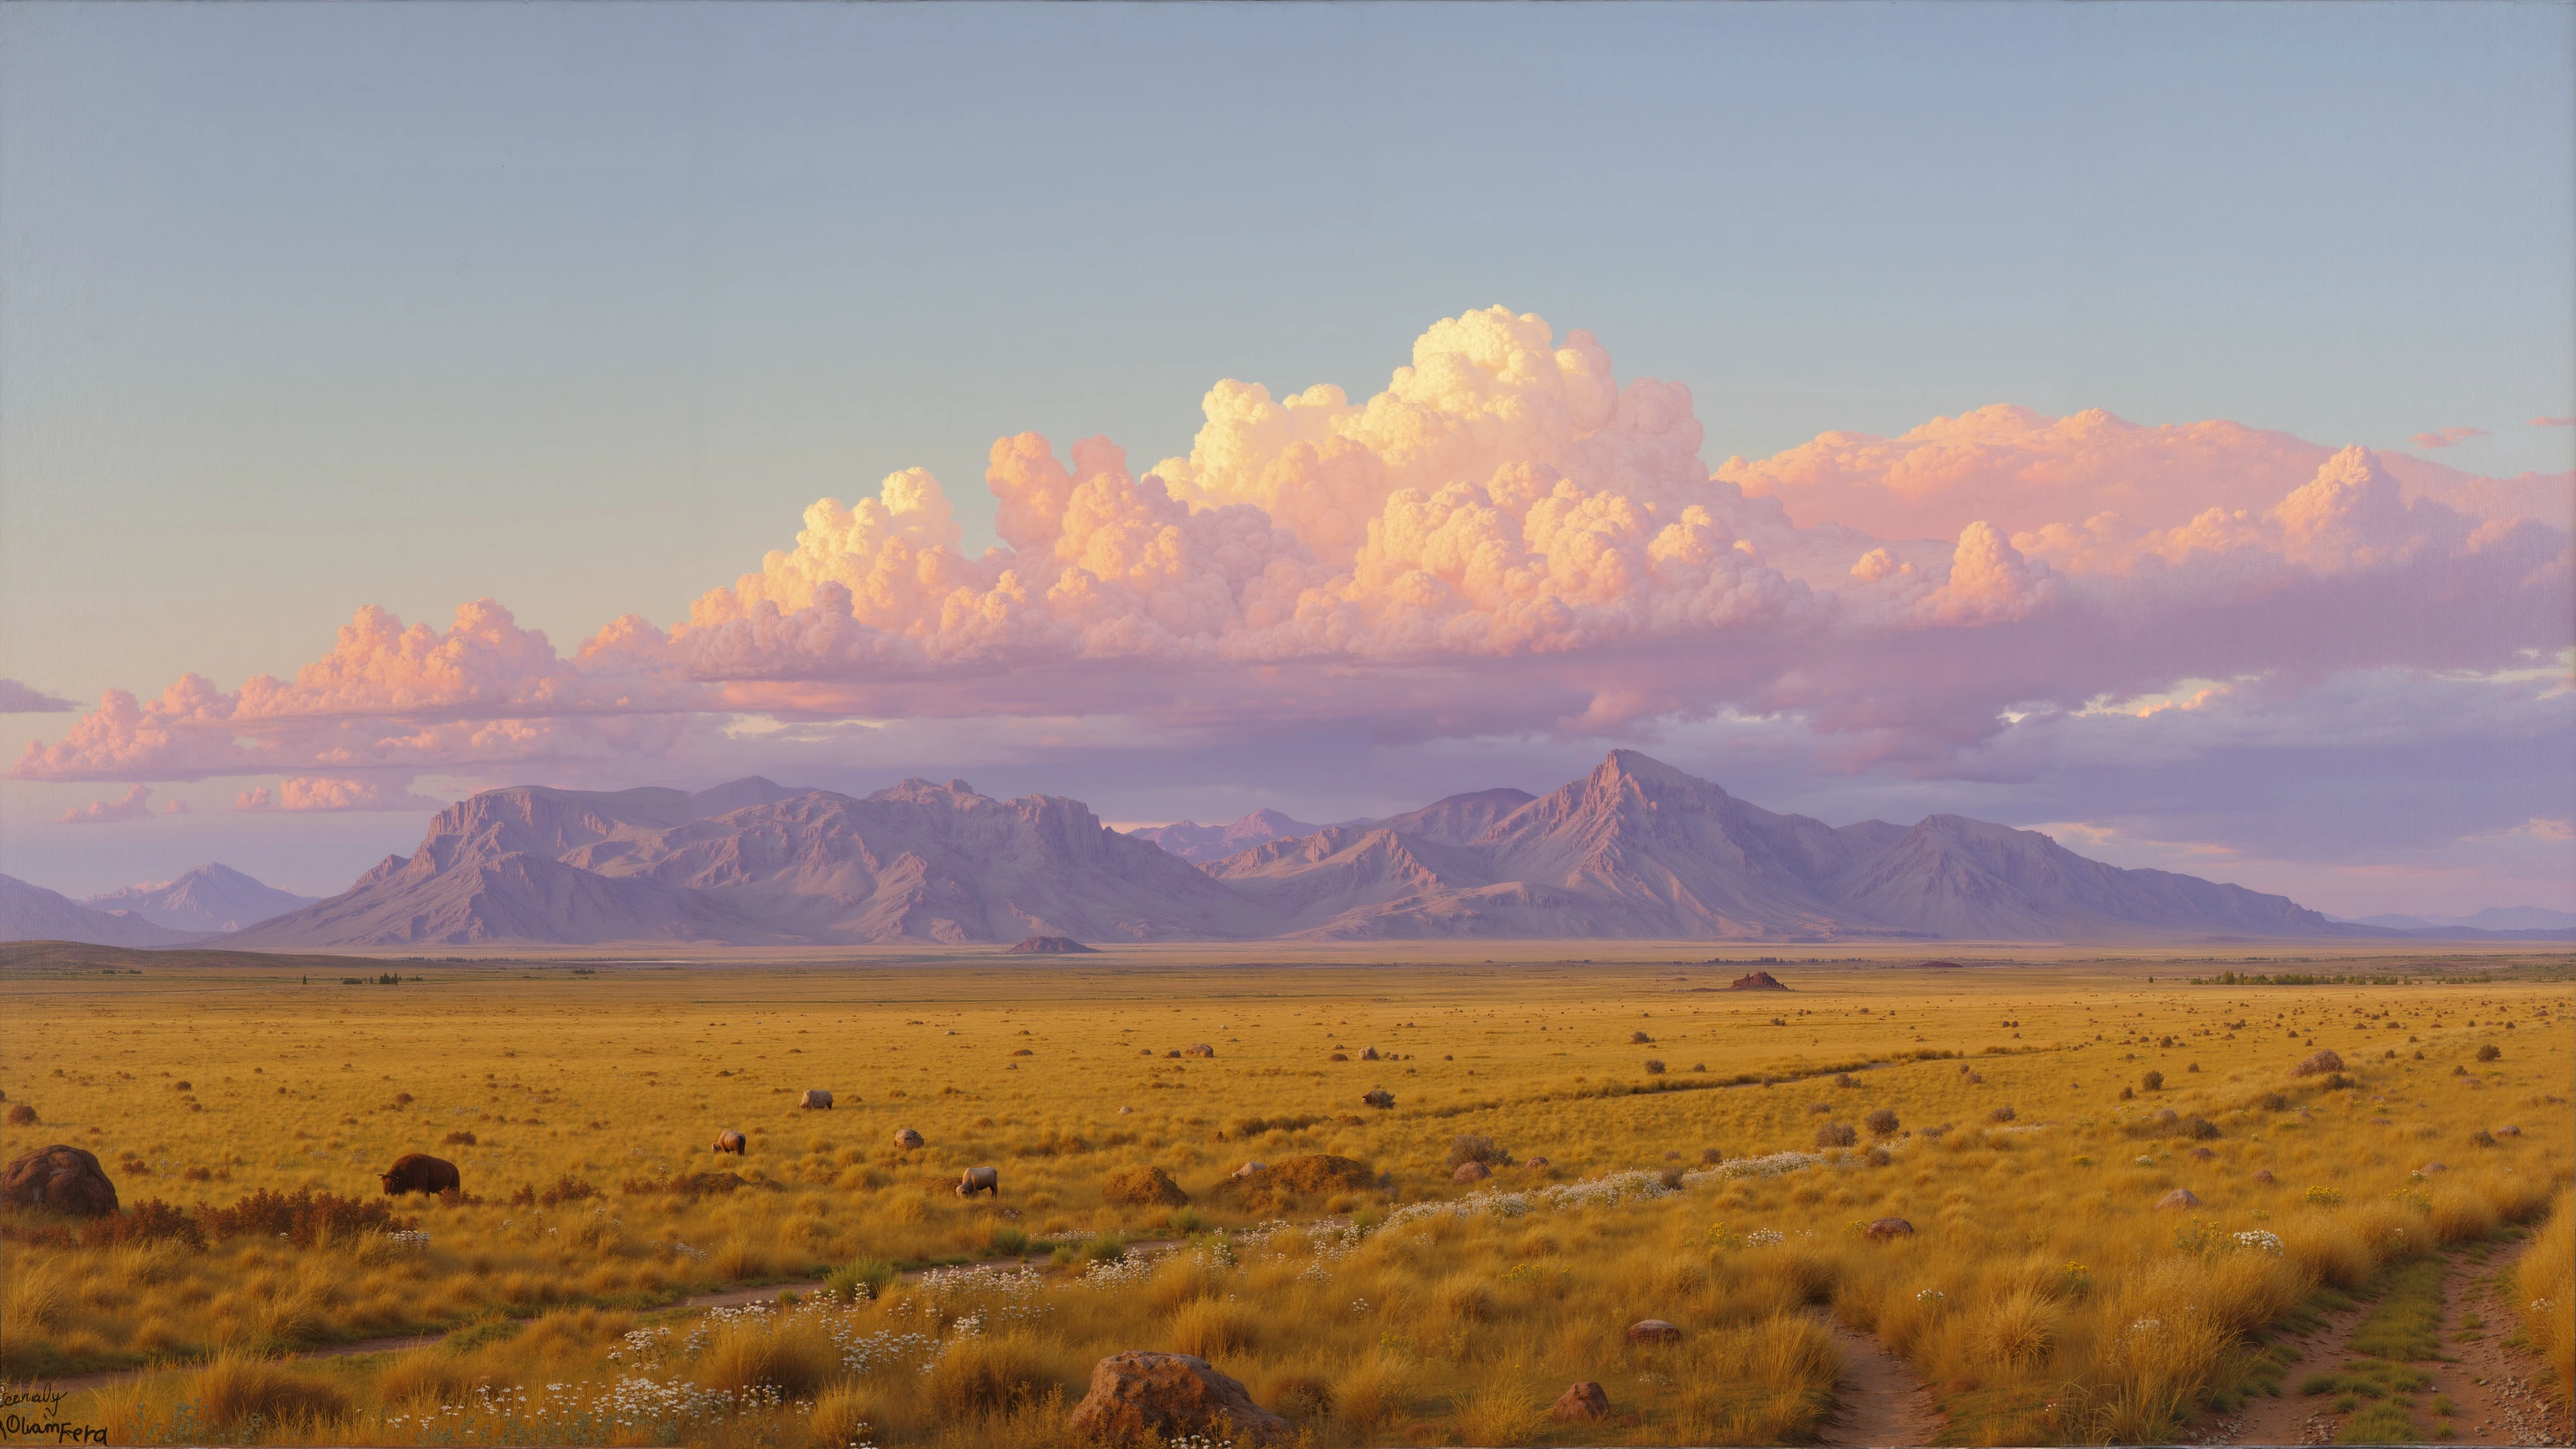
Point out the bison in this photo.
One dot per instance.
(979, 1179)
(815, 1099)
(729, 1141)
(419, 1172)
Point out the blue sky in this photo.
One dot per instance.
(577, 306)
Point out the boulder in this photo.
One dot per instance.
(1653, 1330)
(2262, 1174)
(906, 1138)
(1201, 1049)
(2316, 1062)
(1886, 1228)
(2428, 1169)
(1536, 1164)
(1580, 1404)
(2180, 1197)
(2509, 1130)
(1163, 1396)
(1471, 1172)
(61, 1179)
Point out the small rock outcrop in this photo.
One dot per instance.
(1883, 1229)
(906, 1138)
(1049, 946)
(1202, 1049)
(1758, 981)
(1471, 1172)
(2181, 1197)
(2262, 1174)
(2316, 1062)
(1143, 1187)
(61, 1179)
(1581, 1404)
(1653, 1330)
(1163, 1396)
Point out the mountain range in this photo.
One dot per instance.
(1634, 850)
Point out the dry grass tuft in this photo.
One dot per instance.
(235, 1391)
(2545, 1290)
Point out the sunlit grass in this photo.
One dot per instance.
(2041, 1295)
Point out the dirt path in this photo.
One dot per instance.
(2496, 1389)
(730, 1298)
(2292, 1418)
(1878, 1403)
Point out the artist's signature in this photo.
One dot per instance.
(46, 1421)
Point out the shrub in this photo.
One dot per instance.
(2003, 1113)
(2489, 1052)
(1638, 1038)
(1836, 1134)
(2153, 1081)
(1301, 1396)
(304, 1217)
(842, 1415)
(458, 1139)
(1654, 1066)
(2199, 1128)
(1881, 1123)
(1499, 1411)
(2272, 1102)
(22, 1115)
(1475, 1147)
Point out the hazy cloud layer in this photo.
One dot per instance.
(16, 698)
(1505, 540)
(135, 804)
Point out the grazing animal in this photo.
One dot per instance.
(979, 1179)
(419, 1172)
(730, 1141)
(815, 1099)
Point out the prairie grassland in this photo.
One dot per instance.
(2024, 1116)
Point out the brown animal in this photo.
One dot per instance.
(730, 1141)
(815, 1099)
(419, 1172)
(979, 1179)
(1380, 1098)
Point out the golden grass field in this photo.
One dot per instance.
(2042, 1298)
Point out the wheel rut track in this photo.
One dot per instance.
(2498, 1392)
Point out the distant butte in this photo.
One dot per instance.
(1049, 946)
(1758, 981)
(1940, 966)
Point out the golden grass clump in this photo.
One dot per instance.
(796, 1359)
(234, 1390)
(973, 1377)
(2546, 1302)
(1213, 1328)
(1500, 1411)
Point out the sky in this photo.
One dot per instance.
(2142, 423)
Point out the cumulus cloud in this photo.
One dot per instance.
(17, 698)
(135, 804)
(1506, 538)
(311, 793)
(2446, 437)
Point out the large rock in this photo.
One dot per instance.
(2316, 1062)
(906, 1138)
(1885, 1228)
(1581, 1404)
(1653, 1330)
(1471, 1172)
(1164, 1396)
(2181, 1197)
(61, 1179)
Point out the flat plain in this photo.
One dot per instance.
(1406, 1273)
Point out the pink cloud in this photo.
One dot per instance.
(136, 804)
(2550, 422)
(2446, 437)
(317, 794)
(1504, 539)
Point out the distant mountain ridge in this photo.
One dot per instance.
(33, 913)
(213, 897)
(1636, 849)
